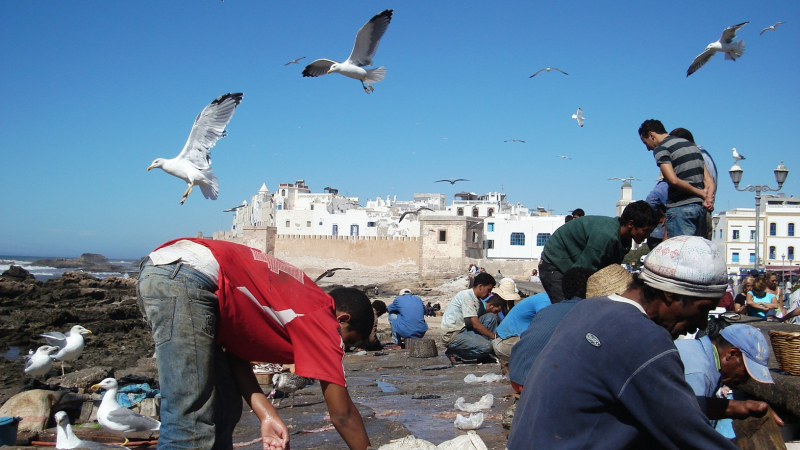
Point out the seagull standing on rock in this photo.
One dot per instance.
(40, 362)
(725, 44)
(367, 40)
(193, 164)
(118, 420)
(70, 345)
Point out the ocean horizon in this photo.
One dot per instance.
(44, 273)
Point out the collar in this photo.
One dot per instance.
(621, 299)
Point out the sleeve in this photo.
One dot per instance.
(662, 156)
(469, 308)
(393, 307)
(659, 397)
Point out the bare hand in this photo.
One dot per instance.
(743, 409)
(274, 434)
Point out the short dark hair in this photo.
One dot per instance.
(652, 125)
(578, 213)
(380, 307)
(568, 218)
(496, 300)
(574, 282)
(356, 303)
(682, 133)
(484, 279)
(640, 213)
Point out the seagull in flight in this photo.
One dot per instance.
(515, 140)
(725, 44)
(773, 27)
(295, 61)
(330, 272)
(579, 117)
(451, 181)
(624, 179)
(413, 212)
(193, 164)
(235, 208)
(367, 40)
(548, 69)
(563, 157)
(736, 156)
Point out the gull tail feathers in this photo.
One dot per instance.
(376, 75)
(211, 188)
(736, 52)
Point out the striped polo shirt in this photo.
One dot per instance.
(687, 162)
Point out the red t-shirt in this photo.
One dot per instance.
(271, 311)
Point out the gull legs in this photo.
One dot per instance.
(371, 89)
(186, 194)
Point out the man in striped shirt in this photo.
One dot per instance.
(691, 188)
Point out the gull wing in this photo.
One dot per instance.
(132, 420)
(425, 209)
(208, 128)
(700, 61)
(730, 33)
(537, 73)
(318, 68)
(28, 361)
(368, 38)
(55, 339)
(555, 68)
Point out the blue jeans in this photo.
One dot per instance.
(200, 403)
(686, 220)
(395, 337)
(471, 345)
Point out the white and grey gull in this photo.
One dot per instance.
(70, 344)
(67, 440)
(117, 419)
(288, 383)
(40, 362)
(725, 44)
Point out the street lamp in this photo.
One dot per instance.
(736, 176)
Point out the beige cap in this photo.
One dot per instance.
(404, 291)
(613, 279)
(507, 289)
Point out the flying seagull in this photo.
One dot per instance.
(367, 40)
(773, 27)
(234, 208)
(725, 44)
(70, 344)
(563, 157)
(193, 164)
(451, 181)
(624, 179)
(288, 383)
(736, 155)
(330, 272)
(515, 140)
(118, 420)
(66, 439)
(295, 61)
(548, 69)
(579, 117)
(412, 212)
(40, 362)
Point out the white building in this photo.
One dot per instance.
(735, 231)
(625, 197)
(518, 237)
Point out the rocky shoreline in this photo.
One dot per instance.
(91, 262)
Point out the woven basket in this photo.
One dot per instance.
(787, 350)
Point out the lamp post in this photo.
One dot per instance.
(783, 267)
(736, 176)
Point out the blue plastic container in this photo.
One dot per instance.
(8, 430)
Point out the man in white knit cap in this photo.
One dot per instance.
(611, 377)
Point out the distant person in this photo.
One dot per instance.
(535, 276)
(372, 342)
(712, 170)
(499, 274)
(691, 189)
(727, 300)
(465, 334)
(429, 311)
(576, 213)
(761, 303)
(407, 318)
(657, 199)
(774, 288)
(568, 218)
(592, 243)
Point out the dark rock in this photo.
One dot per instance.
(18, 273)
(83, 379)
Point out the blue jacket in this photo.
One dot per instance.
(410, 321)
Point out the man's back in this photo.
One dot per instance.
(592, 243)
(410, 321)
(687, 163)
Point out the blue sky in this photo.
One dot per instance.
(94, 91)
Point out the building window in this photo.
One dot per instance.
(490, 226)
(720, 234)
(790, 253)
(752, 257)
(312, 207)
(308, 224)
(460, 212)
(490, 243)
(475, 212)
(442, 235)
(283, 192)
(288, 224)
(773, 229)
(541, 239)
(370, 224)
(474, 237)
(752, 235)
(353, 230)
(280, 207)
(735, 257)
(517, 238)
(735, 235)
(790, 231)
(771, 252)
(490, 212)
(335, 230)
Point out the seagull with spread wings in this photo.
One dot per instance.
(193, 164)
(515, 140)
(563, 157)
(548, 69)
(367, 40)
(295, 61)
(413, 212)
(330, 272)
(773, 27)
(624, 179)
(725, 44)
(451, 181)
(579, 117)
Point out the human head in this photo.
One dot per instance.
(354, 313)
(578, 213)
(772, 280)
(640, 219)
(682, 133)
(759, 286)
(404, 291)
(747, 284)
(483, 285)
(507, 289)
(568, 218)
(611, 279)
(683, 278)
(380, 307)
(495, 304)
(534, 272)
(574, 282)
(649, 128)
(751, 352)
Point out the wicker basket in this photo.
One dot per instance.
(787, 350)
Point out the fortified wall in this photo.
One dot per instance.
(365, 250)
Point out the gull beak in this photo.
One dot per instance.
(89, 331)
(95, 387)
(329, 71)
(148, 169)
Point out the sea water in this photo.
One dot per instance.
(44, 273)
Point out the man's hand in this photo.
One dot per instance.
(274, 433)
(742, 409)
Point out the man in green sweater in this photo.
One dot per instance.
(593, 243)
